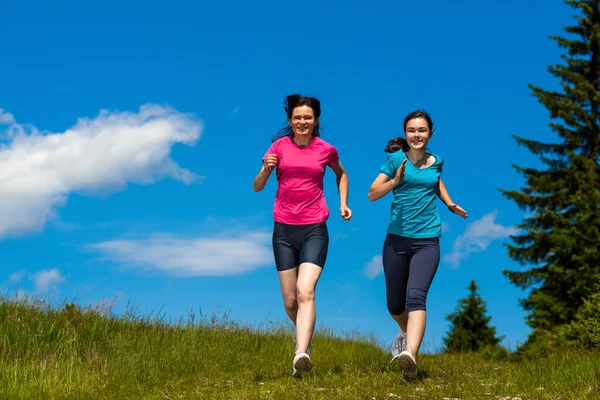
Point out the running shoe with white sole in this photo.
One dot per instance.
(408, 365)
(399, 344)
(301, 364)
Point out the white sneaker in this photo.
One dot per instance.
(408, 365)
(301, 364)
(399, 344)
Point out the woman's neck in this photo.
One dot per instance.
(302, 141)
(417, 156)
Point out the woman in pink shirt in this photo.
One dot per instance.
(300, 237)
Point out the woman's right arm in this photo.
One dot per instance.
(265, 171)
(261, 179)
(382, 185)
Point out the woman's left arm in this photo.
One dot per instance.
(342, 185)
(442, 193)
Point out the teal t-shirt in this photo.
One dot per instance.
(414, 212)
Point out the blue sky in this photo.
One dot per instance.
(131, 133)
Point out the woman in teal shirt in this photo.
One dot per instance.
(411, 251)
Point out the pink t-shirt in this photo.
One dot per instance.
(300, 170)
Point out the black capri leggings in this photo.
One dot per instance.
(297, 244)
(409, 266)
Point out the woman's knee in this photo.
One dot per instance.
(306, 295)
(396, 306)
(290, 302)
(417, 299)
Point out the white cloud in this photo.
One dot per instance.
(477, 237)
(203, 256)
(344, 235)
(6, 117)
(47, 280)
(339, 236)
(445, 227)
(17, 276)
(374, 268)
(100, 155)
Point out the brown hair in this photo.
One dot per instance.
(399, 143)
(295, 100)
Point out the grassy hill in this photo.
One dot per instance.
(70, 353)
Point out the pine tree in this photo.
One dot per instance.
(470, 329)
(560, 240)
(584, 331)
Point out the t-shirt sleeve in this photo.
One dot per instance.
(274, 149)
(391, 165)
(333, 157)
(440, 163)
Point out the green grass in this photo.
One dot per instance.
(69, 353)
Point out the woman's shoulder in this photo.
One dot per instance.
(320, 142)
(438, 158)
(281, 142)
(321, 145)
(397, 155)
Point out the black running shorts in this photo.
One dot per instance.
(297, 244)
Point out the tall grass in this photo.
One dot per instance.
(74, 353)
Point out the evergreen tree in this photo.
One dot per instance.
(470, 329)
(560, 240)
(584, 331)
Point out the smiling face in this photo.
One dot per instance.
(417, 133)
(303, 121)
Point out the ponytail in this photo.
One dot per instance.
(396, 144)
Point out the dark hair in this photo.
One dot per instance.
(295, 100)
(399, 143)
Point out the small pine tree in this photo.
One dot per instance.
(584, 331)
(470, 329)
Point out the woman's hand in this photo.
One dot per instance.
(456, 209)
(346, 213)
(270, 162)
(400, 173)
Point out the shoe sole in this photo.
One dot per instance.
(302, 365)
(408, 366)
